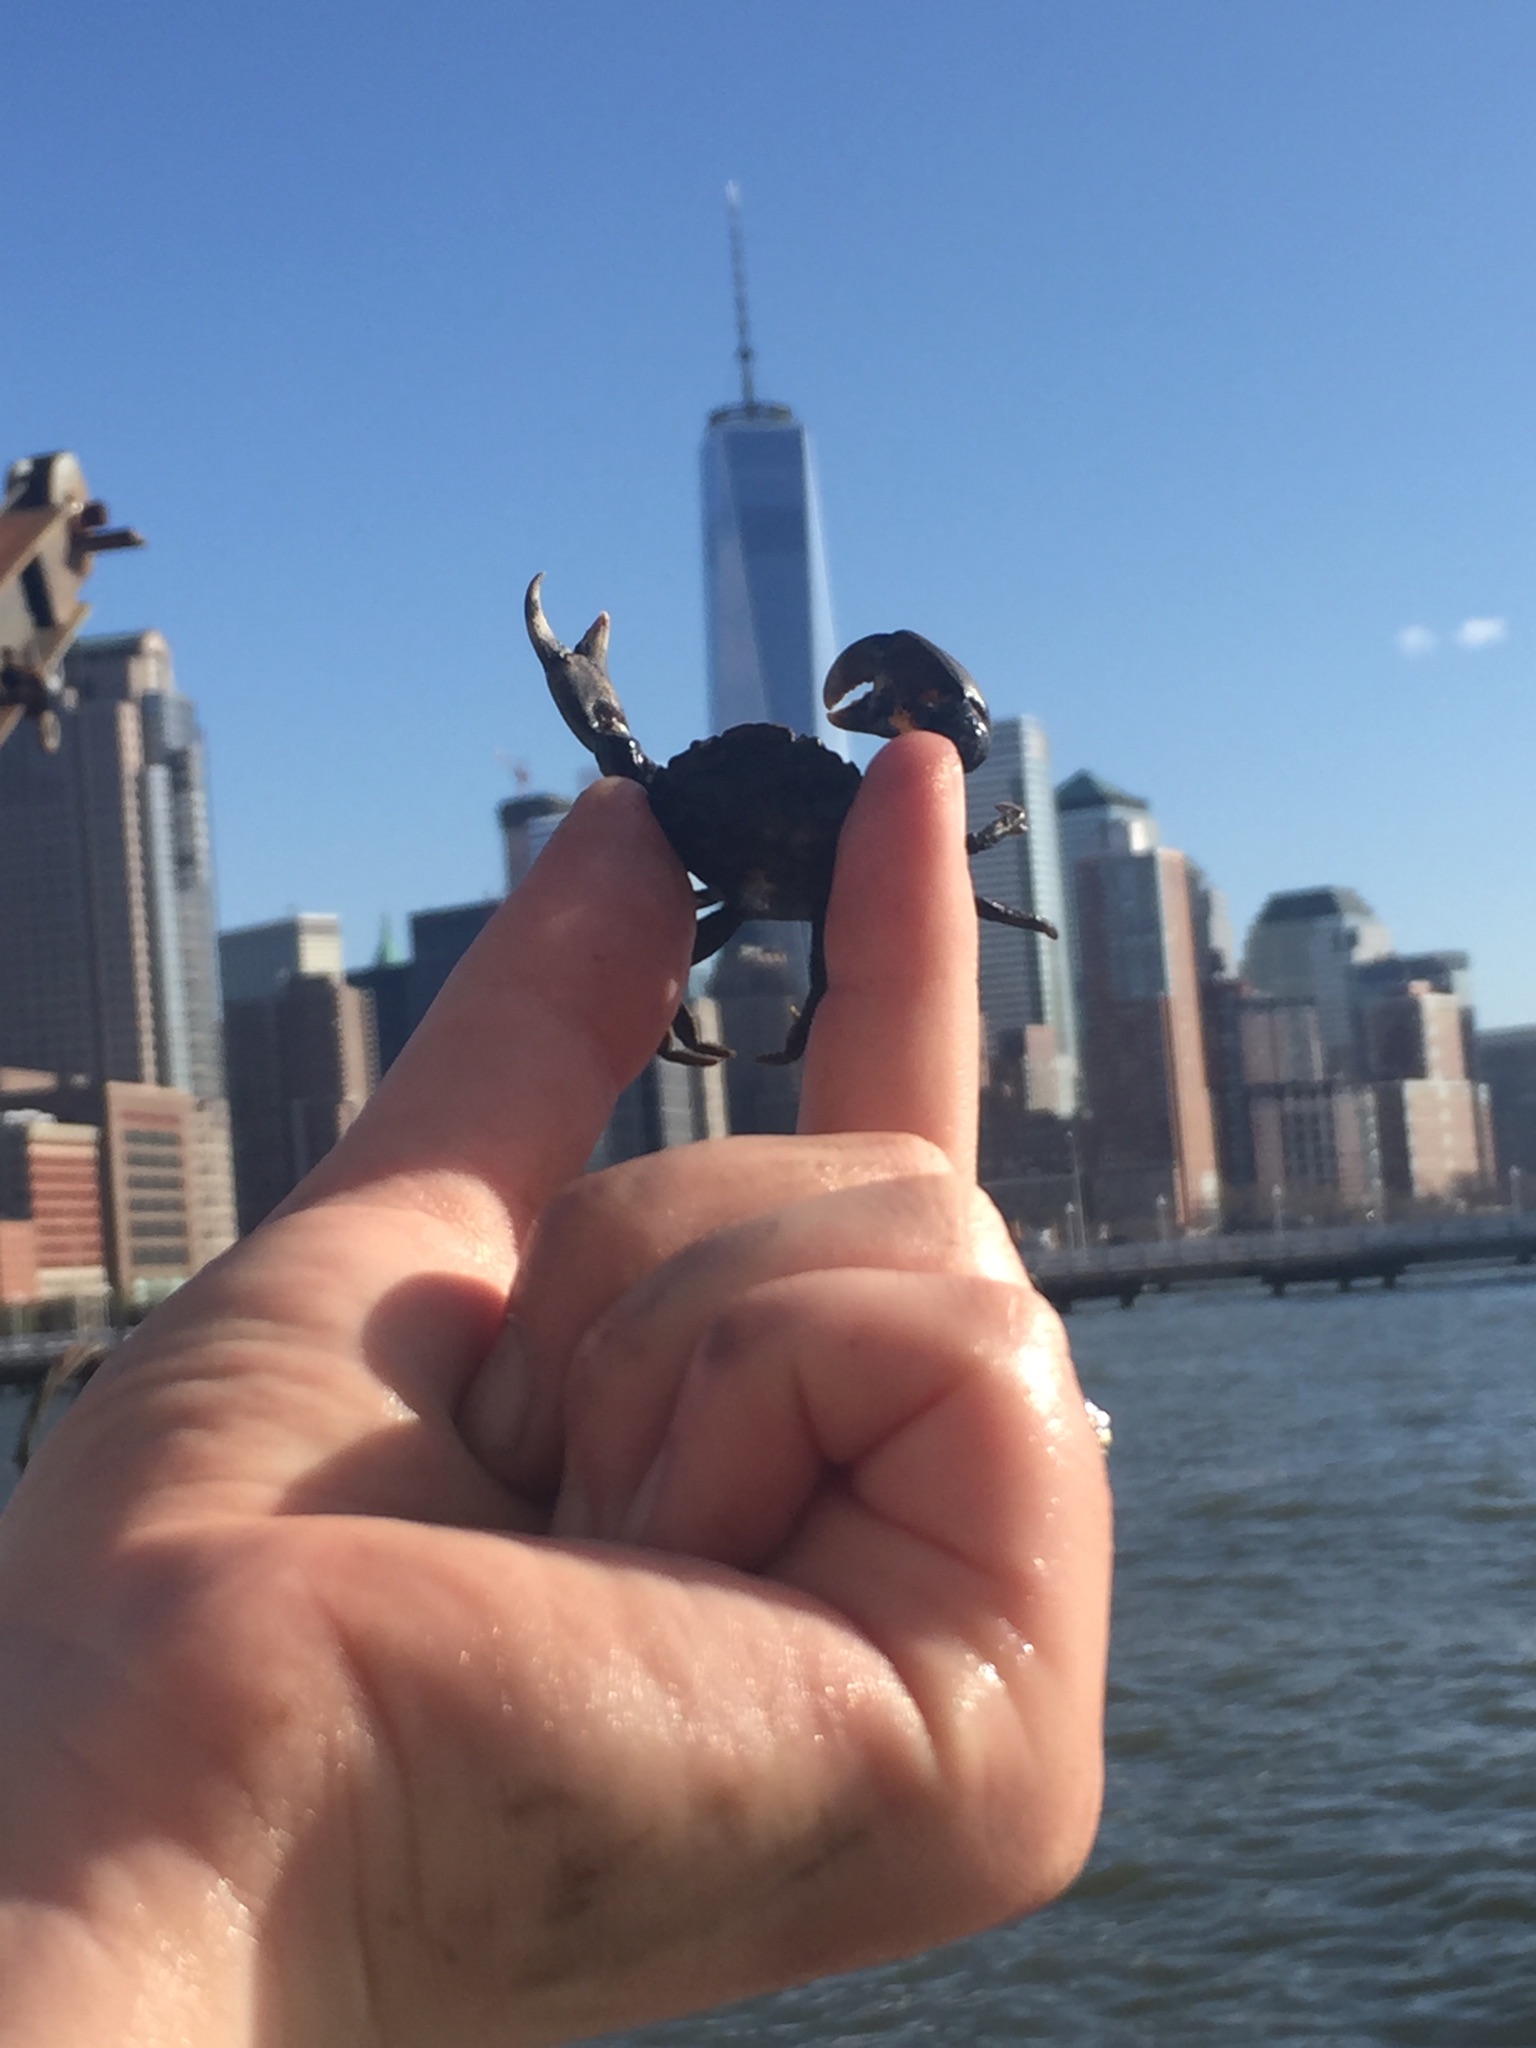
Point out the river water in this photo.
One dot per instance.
(1321, 1814)
(1320, 1823)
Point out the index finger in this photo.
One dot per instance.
(896, 1041)
(500, 1095)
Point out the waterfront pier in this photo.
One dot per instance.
(1279, 1259)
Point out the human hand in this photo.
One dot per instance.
(377, 1669)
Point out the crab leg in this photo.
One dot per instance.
(713, 931)
(800, 1030)
(1021, 920)
(1009, 822)
(682, 1043)
(684, 1047)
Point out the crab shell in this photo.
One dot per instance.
(755, 814)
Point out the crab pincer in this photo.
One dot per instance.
(910, 686)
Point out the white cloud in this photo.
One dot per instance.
(1475, 633)
(1416, 642)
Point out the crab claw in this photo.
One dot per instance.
(578, 682)
(913, 685)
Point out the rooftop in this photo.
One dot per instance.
(1086, 792)
(1306, 906)
(759, 414)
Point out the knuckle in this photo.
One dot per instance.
(998, 1253)
(954, 1221)
(901, 1155)
(605, 1217)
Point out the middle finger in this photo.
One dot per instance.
(624, 1375)
(606, 1232)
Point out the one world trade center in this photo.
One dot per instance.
(768, 612)
(768, 633)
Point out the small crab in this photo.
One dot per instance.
(754, 813)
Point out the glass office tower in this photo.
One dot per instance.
(768, 629)
(108, 949)
(1026, 978)
(767, 606)
(106, 882)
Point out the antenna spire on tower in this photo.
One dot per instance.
(739, 279)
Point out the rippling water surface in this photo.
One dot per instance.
(1319, 1825)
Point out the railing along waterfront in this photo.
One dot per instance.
(1279, 1258)
(26, 1357)
(1064, 1274)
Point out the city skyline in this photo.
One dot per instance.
(1329, 1068)
(1172, 369)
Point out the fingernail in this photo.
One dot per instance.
(642, 1507)
(497, 1400)
(573, 1512)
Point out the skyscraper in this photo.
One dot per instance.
(767, 605)
(107, 924)
(1092, 816)
(528, 823)
(1508, 1059)
(1153, 1141)
(303, 1056)
(1417, 1039)
(769, 644)
(1313, 1136)
(402, 991)
(1391, 975)
(1095, 817)
(1026, 978)
(256, 959)
(1303, 944)
(767, 602)
(667, 1104)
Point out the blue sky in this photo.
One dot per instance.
(1169, 363)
